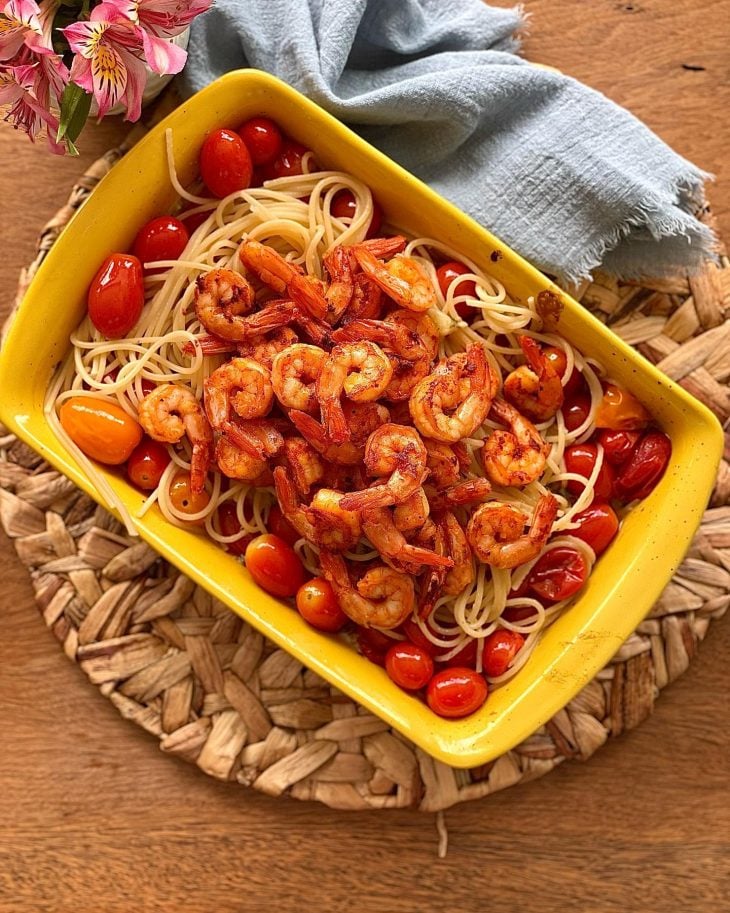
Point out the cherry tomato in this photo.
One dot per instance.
(344, 207)
(581, 459)
(621, 411)
(456, 692)
(288, 162)
(147, 386)
(317, 604)
(598, 526)
(281, 527)
(557, 358)
(116, 295)
(446, 273)
(163, 238)
(229, 525)
(101, 430)
(146, 463)
(416, 636)
(515, 613)
(576, 410)
(263, 139)
(618, 445)
(274, 565)
(373, 645)
(645, 467)
(500, 648)
(225, 163)
(193, 220)
(185, 500)
(558, 574)
(466, 657)
(409, 665)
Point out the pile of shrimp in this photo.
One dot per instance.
(334, 394)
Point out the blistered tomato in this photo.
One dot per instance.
(263, 139)
(446, 273)
(581, 460)
(558, 574)
(229, 525)
(373, 644)
(274, 565)
(225, 163)
(456, 692)
(146, 464)
(101, 430)
(645, 467)
(116, 295)
(317, 604)
(281, 527)
(185, 500)
(500, 649)
(163, 238)
(618, 445)
(621, 411)
(598, 526)
(409, 665)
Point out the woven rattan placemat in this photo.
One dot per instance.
(212, 690)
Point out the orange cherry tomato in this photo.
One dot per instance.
(575, 383)
(225, 163)
(456, 692)
(556, 356)
(146, 463)
(408, 665)
(317, 604)
(281, 527)
(116, 295)
(274, 565)
(500, 648)
(185, 500)
(101, 430)
(621, 411)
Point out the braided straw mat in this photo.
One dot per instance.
(213, 691)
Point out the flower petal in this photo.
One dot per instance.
(109, 77)
(136, 81)
(162, 56)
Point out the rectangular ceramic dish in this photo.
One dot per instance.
(626, 580)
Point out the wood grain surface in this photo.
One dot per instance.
(94, 818)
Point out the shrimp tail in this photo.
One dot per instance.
(199, 465)
(377, 496)
(209, 345)
(385, 248)
(421, 555)
(334, 421)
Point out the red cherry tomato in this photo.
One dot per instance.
(373, 645)
(229, 525)
(558, 574)
(146, 463)
(515, 613)
(409, 665)
(163, 238)
(317, 604)
(281, 527)
(288, 162)
(344, 207)
(645, 467)
(446, 273)
(465, 658)
(416, 636)
(263, 139)
(500, 648)
(621, 411)
(576, 410)
(147, 386)
(116, 295)
(618, 445)
(575, 383)
(274, 565)
(598, 526)
(193, 220)
(557, 358)
(456, 692)
(225, 163)
(581, 459)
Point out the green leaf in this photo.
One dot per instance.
(75, 105)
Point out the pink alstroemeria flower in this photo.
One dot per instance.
(19, 88)
(20, 24)
(158, 21)
(107, 60)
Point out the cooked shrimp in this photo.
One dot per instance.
(294, 373)
(170, 411)
(283, 276)
(535, 388)
(364, 418)
(392, 337)
(467, 491)
(462, 574)
(453, 401)
(361, 371)
(236, 463)
(515, 457)
(431, 583)
(442, 462)
(402, 278)
(265, 348)
(382, 597)
(259, 438)
(222, 297)
(241, 385)
(395, 451)
(366, 301)
(346, 454)
(496, 533)
(422, 325)
(324, 522)
(378, 526)
(411, 514)
(338, 264)
(305, 464)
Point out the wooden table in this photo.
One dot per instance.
(94, 818)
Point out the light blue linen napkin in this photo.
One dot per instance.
(555, 169)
